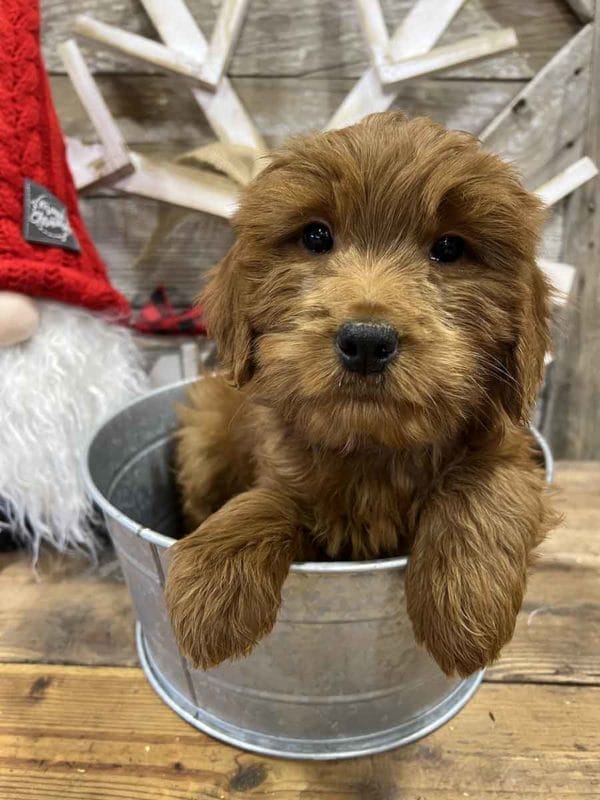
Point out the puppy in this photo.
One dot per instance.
(383, 324)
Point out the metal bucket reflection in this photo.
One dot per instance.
(340, 676)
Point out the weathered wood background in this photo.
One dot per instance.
(293, 65)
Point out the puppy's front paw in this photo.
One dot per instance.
(463, 624)
(220, 606)
(224, 583)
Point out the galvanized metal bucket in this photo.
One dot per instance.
(340, 676)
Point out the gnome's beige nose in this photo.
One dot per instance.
(19, 318)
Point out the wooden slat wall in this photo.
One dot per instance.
(316, 38)
(293, 65)
(573, 424)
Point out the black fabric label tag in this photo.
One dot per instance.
(45, 218)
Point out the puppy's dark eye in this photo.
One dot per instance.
(447, 248)
(317, 237)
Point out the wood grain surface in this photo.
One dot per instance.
(78, 722)
(573, 424)
(313, 38)
(79, 733)
(158, 116)
(67, 611)
(551, 101)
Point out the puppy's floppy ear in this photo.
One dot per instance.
(525, 363)
(225, 310)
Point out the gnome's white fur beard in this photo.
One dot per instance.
(55, 389)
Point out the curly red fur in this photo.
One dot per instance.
(297, 457)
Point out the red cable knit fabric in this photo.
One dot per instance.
(32, 146)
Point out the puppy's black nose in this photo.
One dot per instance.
(366, 347)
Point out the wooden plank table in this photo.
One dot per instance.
(79, 722)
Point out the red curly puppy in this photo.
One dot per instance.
(384, 325)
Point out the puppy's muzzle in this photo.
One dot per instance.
(366, 347)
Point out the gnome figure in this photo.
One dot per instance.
(66, 359)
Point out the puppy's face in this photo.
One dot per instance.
(383, 287)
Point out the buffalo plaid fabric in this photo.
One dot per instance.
(159, 316)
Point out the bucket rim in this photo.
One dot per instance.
(310, 567)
